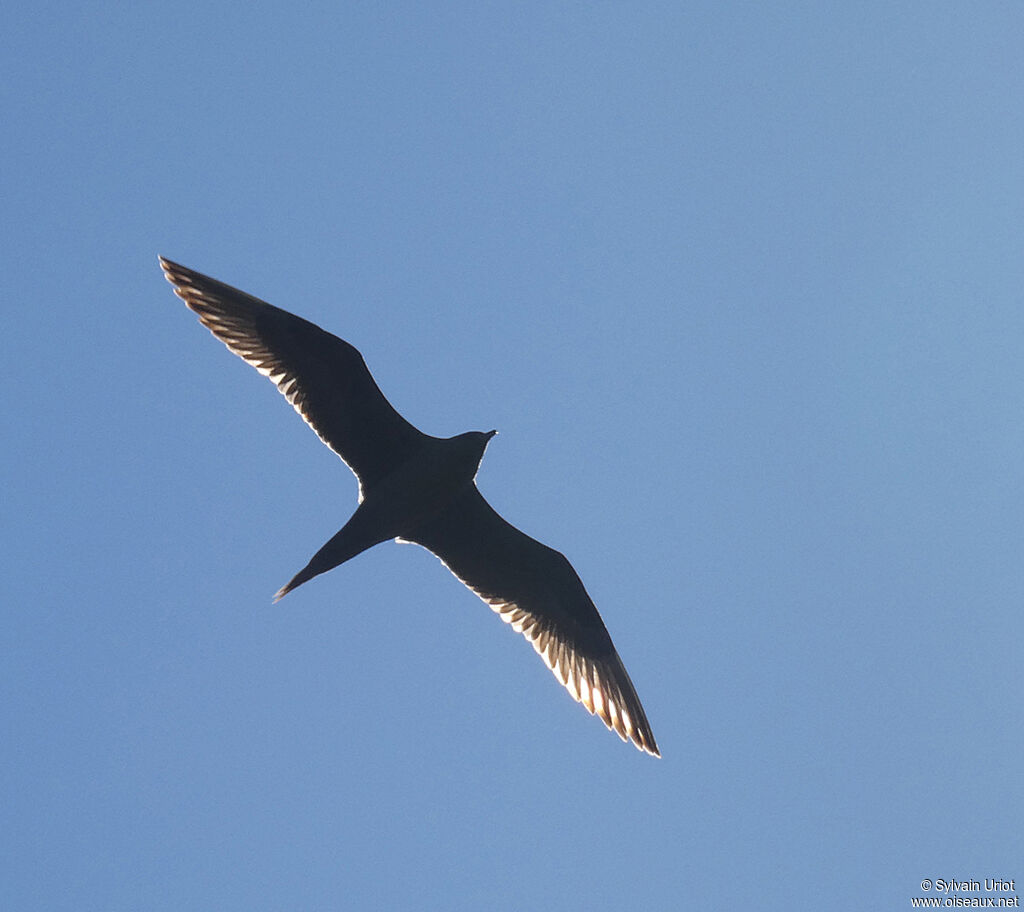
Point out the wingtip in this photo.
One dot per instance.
(641, 737)
(600, 684)
(648, 746)
(173, 272)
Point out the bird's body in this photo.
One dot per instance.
(421, 489)
(395, 507)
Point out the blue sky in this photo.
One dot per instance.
(741, 286)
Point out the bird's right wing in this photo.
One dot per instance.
(536, 590)
(322, 376)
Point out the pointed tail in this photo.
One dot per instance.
(353, 539)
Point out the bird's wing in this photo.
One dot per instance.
(536, 590)
(322, 376)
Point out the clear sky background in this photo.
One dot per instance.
(742, 287)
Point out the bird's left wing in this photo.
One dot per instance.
(536, 590)
(323, 377)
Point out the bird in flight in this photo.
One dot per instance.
(421, 489)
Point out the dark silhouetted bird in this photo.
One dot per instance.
(421, 489)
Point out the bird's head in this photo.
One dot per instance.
(481, 439)
(471, 446)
